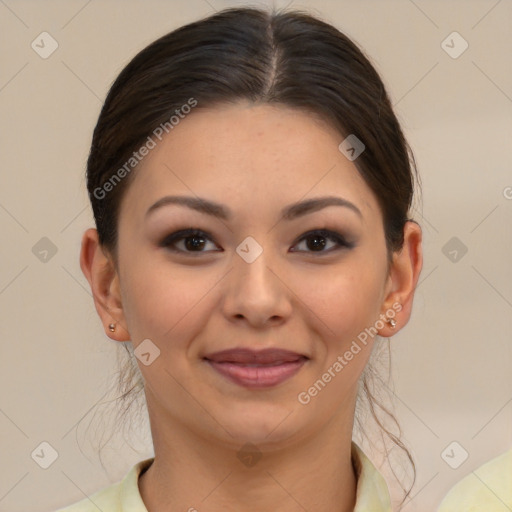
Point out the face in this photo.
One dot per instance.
(309, 282)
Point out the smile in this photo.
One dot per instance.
(256, 369)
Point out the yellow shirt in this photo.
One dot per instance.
(124, 496)
(487, 489)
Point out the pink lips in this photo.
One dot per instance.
(256, 369)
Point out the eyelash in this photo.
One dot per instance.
(177, 236)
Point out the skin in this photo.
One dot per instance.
(255, 160)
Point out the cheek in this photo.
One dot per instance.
(163, 302)
(344, 300)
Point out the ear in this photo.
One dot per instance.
(402, 279)
(99, 269)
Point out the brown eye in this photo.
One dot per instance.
(315, 241)
(194, 241)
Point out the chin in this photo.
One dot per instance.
(262, 424)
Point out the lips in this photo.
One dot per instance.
(270, 356)
(256, 369)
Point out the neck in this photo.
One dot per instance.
(191, 473)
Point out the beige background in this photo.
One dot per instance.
(451, 364)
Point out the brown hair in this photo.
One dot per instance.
(280, 58)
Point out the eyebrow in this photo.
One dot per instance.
(220, 211)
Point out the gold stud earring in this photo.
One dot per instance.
(112, 327)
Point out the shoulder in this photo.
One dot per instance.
(122, 496)
(486, 489)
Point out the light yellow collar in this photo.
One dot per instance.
(372, 490)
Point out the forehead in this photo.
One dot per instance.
(259, 156)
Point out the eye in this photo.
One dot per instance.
(194, 241)
(315, 240)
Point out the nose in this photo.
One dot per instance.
(257, 292)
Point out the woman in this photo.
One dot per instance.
(251, 188)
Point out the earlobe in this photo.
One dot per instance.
(100, 271)
(403, 278)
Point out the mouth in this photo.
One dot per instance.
(256, 369)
